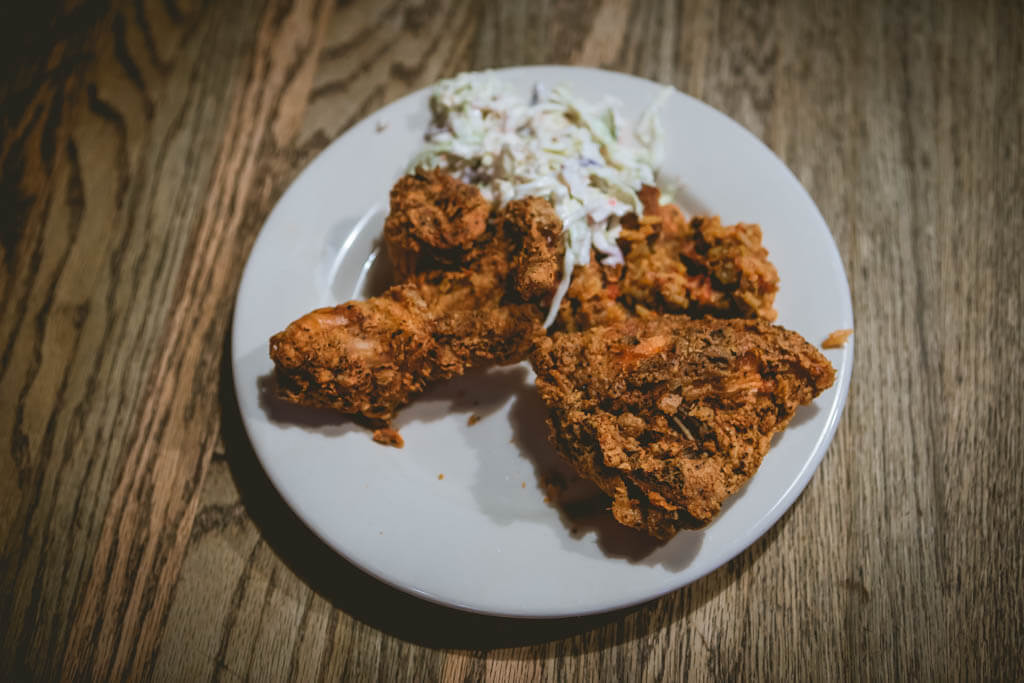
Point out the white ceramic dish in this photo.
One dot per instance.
(483, 538)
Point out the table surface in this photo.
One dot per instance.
(144, 144)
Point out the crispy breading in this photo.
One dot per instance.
(697, 267)
(472, 286)
(593, 298)
(451, 310)
(434, 223)
(535, 233)
(371, 357)
(669, 416)
(706, 269)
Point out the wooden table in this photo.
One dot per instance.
(144, 144)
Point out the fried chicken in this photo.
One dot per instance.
(669, 416)
(371, 357)
(697, 267)
(535, 232)
(451, 311)
(593, 298)
(516, 256)
(472, 286)
(434, 223)
(704, 269)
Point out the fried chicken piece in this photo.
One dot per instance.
(465, 289)
(452, 309)
(535, 232)
(371, 357)
(672, 265)
(516, 255)
(593, 298)
(669, 416)
(434, 223)
(704, 269)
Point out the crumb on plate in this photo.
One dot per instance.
(836, 339)
(388, 437)
(473, 419)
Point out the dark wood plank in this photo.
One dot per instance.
(116, 300)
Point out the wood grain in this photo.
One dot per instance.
(144, 144)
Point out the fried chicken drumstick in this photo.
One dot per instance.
(451, 311)
(370, 357)
(669, 416)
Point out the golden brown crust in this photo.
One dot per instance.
(697, 268)
(473, 286)
(448, 314)
(435, 221)
(535, 233)
(669, 416)
(371, 357)
(710, 269)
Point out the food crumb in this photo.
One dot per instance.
(388, 437)
(382, 126)
(524, 484)
(440, 476)
(473, 419)
(836, 339)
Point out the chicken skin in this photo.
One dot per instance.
(434, 223)
(371, 357)
(669, 416)
(535, 232)
(452, 310)
(697, 267)
(472, 284)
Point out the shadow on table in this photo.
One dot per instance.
(419, 621)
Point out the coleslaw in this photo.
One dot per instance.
(579, 156)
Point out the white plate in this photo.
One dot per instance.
(483, 538)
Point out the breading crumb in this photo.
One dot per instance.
(836, 339)
(388, 437)
(440, 477)
(473, 419)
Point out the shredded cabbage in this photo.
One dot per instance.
(577, 155)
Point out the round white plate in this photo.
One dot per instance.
(459, 516)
